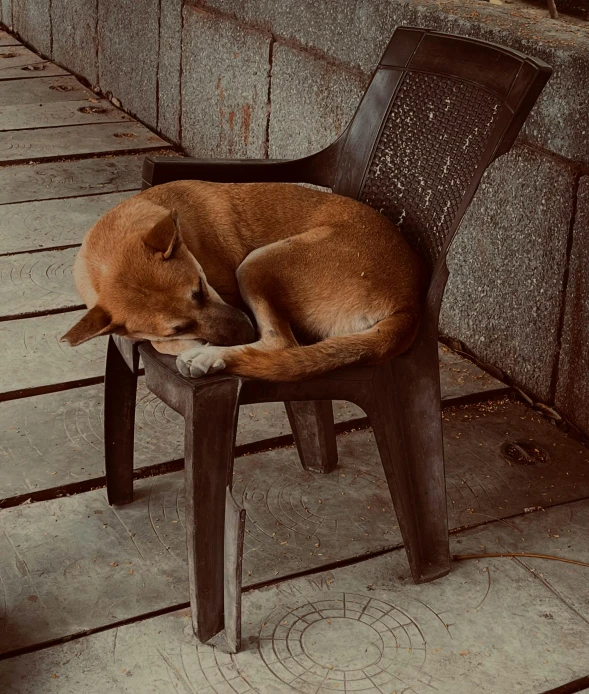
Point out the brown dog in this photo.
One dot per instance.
(329, 281)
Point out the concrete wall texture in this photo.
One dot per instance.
(260, 78)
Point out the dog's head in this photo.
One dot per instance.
(148, 285)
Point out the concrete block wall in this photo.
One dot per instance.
(259, 78)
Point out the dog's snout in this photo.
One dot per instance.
(241, 331)
(227, 326)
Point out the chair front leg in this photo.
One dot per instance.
(120, 393)
(210, 425)
(405, 412)
(313, 429)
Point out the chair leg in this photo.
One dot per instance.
(406, 418)
(120, 392)
(313, 429)
(211, 422)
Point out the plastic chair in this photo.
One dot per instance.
(439, 109)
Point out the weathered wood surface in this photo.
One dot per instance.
(56, 113)
(32, 70)
(335, 612)
(490, 626)
(36, 282)
(7, 39)
(52, 223)
(17, 56)
(68, 141)
(34, 357)
(43, 91)
(286, 504)
(461, 378)
(66, 179)
(57, 439)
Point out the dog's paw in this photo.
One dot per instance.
(199, 361)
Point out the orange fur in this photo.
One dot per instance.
(385, 340)
(181, 263)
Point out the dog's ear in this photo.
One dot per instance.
(164, 236)
(96, 322)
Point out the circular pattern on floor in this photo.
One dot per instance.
(345, 642)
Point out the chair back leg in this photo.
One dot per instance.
(405, 413)
(313, 429)
(120, 393)
(210, 424)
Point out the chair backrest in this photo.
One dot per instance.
(439, 109)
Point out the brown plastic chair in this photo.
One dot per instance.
(438, 111)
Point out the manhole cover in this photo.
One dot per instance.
(525, 452)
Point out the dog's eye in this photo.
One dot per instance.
(177, 329)
(196, 294)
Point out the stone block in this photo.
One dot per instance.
(507, 265)
(311, 102)
(128, 55)
(31, 20)
(6, 12)
(225, 75)
(572, 390)
(352, 32)
(169, 69)
(355, 32)
(74, 36)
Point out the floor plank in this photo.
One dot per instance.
(559, 531)
(54, 223)
(7, 39)
(33, 356)
(42, 91)
(67, 141)
(461, 378)
(17, 57)
(161, 654)
(34, 70)
(56, 113)
(490, 626)
(67, 179)
(37, 282)
(56, 439)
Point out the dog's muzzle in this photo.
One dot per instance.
(230, 326)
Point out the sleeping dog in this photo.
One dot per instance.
(329, 281)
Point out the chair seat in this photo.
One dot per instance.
(163, 377)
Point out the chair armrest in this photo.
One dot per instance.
(317, 169)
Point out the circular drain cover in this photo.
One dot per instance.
(525, 452)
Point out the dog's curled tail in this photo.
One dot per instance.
(388, 338)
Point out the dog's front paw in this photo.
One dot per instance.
(199, 361)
